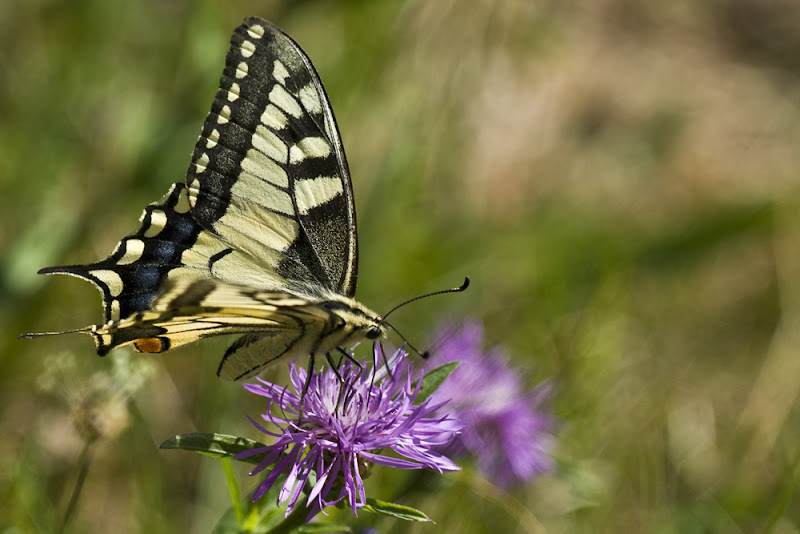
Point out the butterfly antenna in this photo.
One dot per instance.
(426, 354)
(463, 287)
(423, 355)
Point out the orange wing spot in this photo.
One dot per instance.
(151, 344)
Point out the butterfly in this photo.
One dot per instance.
(261, 238)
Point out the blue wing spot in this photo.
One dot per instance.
(137, 303)
(163, 251)
(178, 230)
(145, 277)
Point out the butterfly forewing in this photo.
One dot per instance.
(261, 236)
(268, 173)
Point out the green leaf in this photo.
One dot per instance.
(395, 510)
(219, 445)
(433, 379)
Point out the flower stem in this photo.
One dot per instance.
(233, 489)
(85, 462)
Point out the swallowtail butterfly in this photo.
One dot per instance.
(260, 240)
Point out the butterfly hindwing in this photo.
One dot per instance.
(245, 357)
(188, 310)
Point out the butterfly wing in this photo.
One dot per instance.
(267, 204)
(269, 173)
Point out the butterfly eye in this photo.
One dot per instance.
(374, 332)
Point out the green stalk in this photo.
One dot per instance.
(233, 489)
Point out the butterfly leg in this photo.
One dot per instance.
(311, 364)
(344, 390)
(335, 366)
(384, 361)
(344, 354)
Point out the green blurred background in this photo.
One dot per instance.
(619, 178)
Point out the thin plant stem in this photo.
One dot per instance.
(84, 462)
(233, 489)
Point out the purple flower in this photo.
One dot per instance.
(506, 428)
(341, 426)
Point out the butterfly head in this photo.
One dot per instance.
(371, 326)
(355, 320)
(374, 332)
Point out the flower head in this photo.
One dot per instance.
(341, 425)
(505, 427)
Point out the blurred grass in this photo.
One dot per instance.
(619, 179)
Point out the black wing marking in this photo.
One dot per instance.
(269, 172)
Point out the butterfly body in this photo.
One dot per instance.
(276, 325)
(261, 238)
